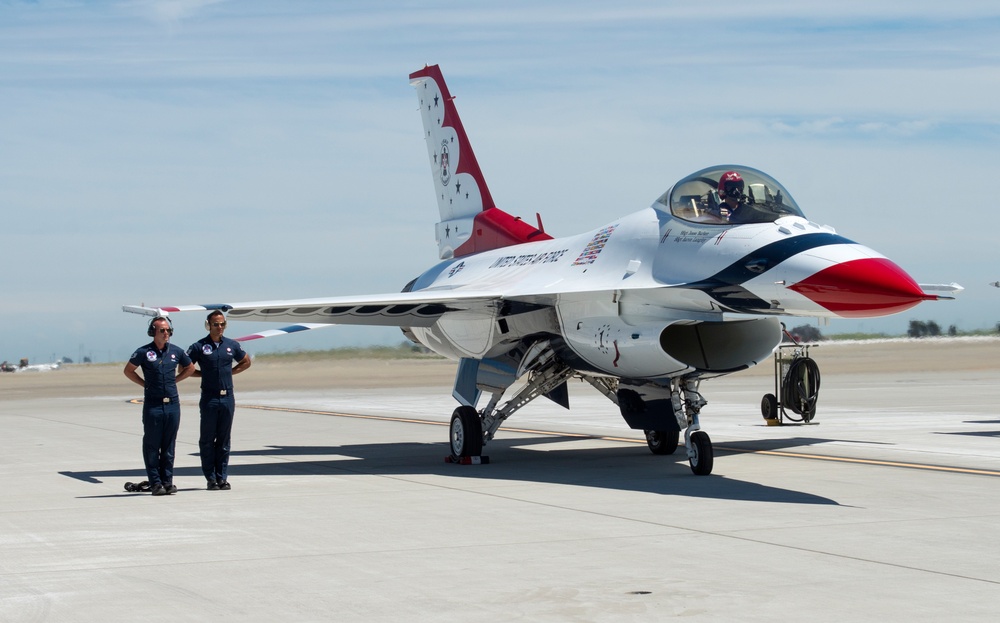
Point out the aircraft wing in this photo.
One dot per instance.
(404, 309)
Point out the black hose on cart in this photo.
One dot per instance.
(801, 388)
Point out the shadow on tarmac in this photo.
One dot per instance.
(625, 468)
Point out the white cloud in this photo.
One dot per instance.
(169, 12)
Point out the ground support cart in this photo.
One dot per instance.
(796, 387)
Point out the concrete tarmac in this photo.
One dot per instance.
(342, 507)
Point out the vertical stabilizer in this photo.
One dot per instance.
(470, 222)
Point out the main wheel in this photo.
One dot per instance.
(702, 459)
(769, 407)
(662, 441)
(466, 432)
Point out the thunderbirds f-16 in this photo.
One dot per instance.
(643, 308)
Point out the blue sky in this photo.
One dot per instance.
(196, 151)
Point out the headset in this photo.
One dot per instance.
(151, 330)
(208, 318)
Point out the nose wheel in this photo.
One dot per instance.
(700, 455)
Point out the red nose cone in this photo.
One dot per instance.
(863, 289)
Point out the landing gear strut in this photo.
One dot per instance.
(471, 430)
(687, 404)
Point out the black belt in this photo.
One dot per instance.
(216, 392)
(165, 401)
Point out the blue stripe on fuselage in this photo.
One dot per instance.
(726, 286)
(767, 257)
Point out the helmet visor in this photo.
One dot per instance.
(732, 188)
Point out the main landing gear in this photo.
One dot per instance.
(470, 430)
(466, 432)
(663, 441)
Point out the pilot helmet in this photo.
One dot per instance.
(731, 185)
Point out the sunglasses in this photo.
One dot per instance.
(218, 324)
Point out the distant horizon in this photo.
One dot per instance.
(402, 344)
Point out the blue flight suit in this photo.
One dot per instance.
(161, 410)
(218, 404)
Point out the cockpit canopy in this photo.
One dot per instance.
(696, 198)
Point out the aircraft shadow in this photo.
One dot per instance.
(626, 468)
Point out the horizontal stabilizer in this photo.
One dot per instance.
(165, 311)
(295, 328)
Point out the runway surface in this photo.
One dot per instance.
(343, 508)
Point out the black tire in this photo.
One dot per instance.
(801, 387)
(703, 459)
(662, 441)
(769, 407)
(466, 432)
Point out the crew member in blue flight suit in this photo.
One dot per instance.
(215, 355)
(161, 411)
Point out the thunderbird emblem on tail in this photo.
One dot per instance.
(643, 309)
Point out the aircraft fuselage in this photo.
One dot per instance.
(652, 271)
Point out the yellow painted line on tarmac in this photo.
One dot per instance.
(357, 416)
(394, 418)
(530, 431)
(843, 459)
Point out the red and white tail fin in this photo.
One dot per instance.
(470, 222)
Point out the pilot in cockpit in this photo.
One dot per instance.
(731, 194)
(746, 208)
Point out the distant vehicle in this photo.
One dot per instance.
(643, 308)
(24, 366)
